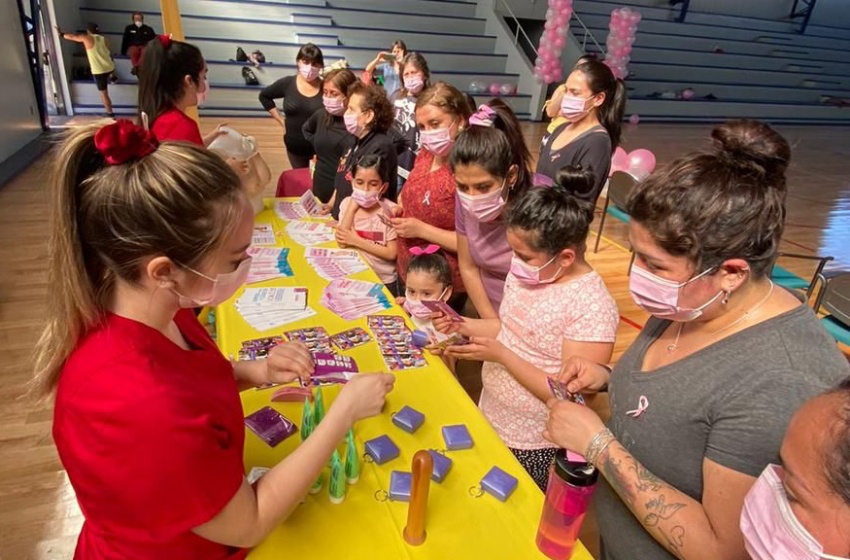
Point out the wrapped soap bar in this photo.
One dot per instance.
(270, 425)
(498, 483)
(381, 449)
(442, 464)
(408, 419)
(333, 368)
(457, 437)
(400, 483)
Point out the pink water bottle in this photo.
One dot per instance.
(568, 494)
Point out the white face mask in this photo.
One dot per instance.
(223, 286)
(137, 23)
(770, 528)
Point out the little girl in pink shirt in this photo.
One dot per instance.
(555, 306)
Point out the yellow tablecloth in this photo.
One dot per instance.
(459, 526)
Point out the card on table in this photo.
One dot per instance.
(258, 348)
(263, 235)
(316, 339)
(351, 338)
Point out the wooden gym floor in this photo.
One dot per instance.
(39, 518)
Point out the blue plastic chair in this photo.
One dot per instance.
(834, 300)
(620, 185)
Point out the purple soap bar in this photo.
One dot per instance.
(498, 483)
(270, 425)
(457, 437)
(408, 419)
(333, 368)
(442, 464)
(381, 449)
(400, 483)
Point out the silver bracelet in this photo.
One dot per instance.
(598, 444)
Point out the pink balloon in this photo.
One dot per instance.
(634, 119)
(688, 94)
(560, 42)
(620, 160)
(641, 163)
(494, 88)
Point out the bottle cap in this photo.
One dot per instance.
(574, 472)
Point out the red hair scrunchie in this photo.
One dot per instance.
(165, 40)
(123, 141)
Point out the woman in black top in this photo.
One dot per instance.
(302, 96)
(325, 129)
(593, 104)
(416, 77)
(368, 118)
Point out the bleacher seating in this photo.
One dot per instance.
(454, 43)
(737, 67)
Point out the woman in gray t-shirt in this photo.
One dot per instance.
(701, 400)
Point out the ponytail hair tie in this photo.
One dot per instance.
(484, 116)
(165, 40)
(427, 250)
(123, 141)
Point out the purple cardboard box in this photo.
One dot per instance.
(270, 425)
(457, 437)
(400, 483)
(498, 483)
(442, 465)
(408, 419)
(381, 449)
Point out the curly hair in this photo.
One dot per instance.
(375, 100)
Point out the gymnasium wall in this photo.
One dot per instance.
(19, 119)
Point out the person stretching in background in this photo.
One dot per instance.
(100, 60)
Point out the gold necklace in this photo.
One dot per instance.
(675, 346)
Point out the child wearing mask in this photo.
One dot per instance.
(364, 220)
(555, 306)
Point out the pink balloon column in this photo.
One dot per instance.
(547, 67)
(621, 36)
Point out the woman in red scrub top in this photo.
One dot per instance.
(147, 419)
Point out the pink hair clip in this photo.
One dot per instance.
(483, 116)
(427, 250)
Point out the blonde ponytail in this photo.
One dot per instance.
(179, 201)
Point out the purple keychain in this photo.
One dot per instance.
(381, 449)
(408, 419)
(442, 465)
(270, 425)
(400, 483)
(499, 484)
(457, 437)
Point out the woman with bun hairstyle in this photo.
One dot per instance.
(555, 306)
(702, 398)
(492, 167)
(593, 104)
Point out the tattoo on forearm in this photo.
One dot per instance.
(659, 514)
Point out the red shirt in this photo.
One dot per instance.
(429, 196)
(175, 125)
(152, 437)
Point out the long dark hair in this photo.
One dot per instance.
(496, 147)
(600, 79)
(161, 75)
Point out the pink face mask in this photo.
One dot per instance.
(352, 124)
(223, 286)
(439, 141)
(365, 199)
(418, 309)
(202, 95)
(334, 105)
(414, 84)
(530, 275)
(308, 71)
(770, 528)
(484, 207)
(572, 108)
(660, 297)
